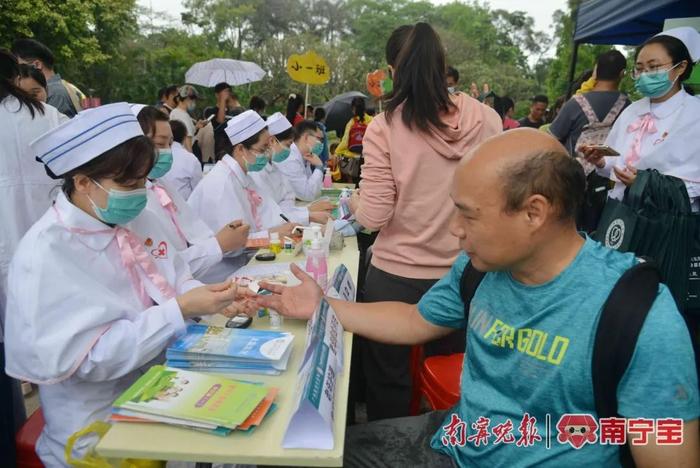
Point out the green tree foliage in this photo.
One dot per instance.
(102, 48)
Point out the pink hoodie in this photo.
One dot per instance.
(405, 188)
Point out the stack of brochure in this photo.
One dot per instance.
(231, 350)
(197, 401)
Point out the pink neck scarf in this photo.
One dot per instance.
(167, 203)
(255, 201)
(642, 126)
(132, 254)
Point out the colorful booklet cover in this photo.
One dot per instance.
(191, 396)
(202, 342)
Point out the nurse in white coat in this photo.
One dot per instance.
(275, 183)
(189, 235)
(25, 194)
(303, 168)
(662, 130)
(186, 172)
(229, 192)
(90, 303)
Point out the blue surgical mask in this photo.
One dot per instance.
(281, 155)
(655, 84)
(258, 165)
(164, 161)
(122, 205)
(317, 149)
(191, 106)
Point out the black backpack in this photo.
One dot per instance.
(621, 321)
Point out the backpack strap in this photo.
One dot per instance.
(586, 108)
(615, 110)
(468, 284)
(620, 324)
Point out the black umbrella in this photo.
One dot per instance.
(339, 111)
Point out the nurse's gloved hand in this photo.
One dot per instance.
(233, 236)
(211, 299)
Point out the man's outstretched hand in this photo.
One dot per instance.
(295, 302)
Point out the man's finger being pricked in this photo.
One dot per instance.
(272, 287)
(298, 272)
(271, 302)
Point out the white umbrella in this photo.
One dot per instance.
(215, 71)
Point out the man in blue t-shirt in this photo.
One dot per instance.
(527, 393)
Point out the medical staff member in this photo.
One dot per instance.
(304, 168)
(186, 171)
(271, 180)
(228, 191)
(24, 197)
(660, 131)
(189, 235)
(89, 302)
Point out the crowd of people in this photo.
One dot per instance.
(113, 238)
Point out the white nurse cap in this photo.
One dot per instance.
(689, 37)
(278, 123)
(244, 126)
(86, 136)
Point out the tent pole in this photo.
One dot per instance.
(574, 55)
(306, 99)
(572, 70)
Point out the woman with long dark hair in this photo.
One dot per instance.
(295, 105)
(411, 152)
(24, 196)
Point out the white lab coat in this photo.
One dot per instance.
(25, 189)
(188, 234)
(305, 181)
(185, 173)
(76, 324)
(221, 198)
(672, 150)
(275, 185)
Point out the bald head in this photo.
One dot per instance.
(523, 162)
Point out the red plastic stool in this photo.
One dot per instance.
(440, 378)
(25, 441)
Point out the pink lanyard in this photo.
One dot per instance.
(132, 254)
(167, 203)
(254, 200)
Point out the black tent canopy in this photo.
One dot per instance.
(625, 22)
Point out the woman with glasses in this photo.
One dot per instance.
(662, 130)
(228, 192)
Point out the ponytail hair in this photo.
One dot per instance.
(358, 107)
(9, 71)
(420, 67)
(293, 103)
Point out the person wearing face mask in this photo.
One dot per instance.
(229, 192)
(188, 234)
(186, 99)
(25, 195)
(660, 131)
(273, 182)
(90, 303)
(304, 168)
(452, 79)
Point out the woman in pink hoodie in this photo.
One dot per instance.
(411, 152)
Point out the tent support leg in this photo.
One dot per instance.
(572, 70)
